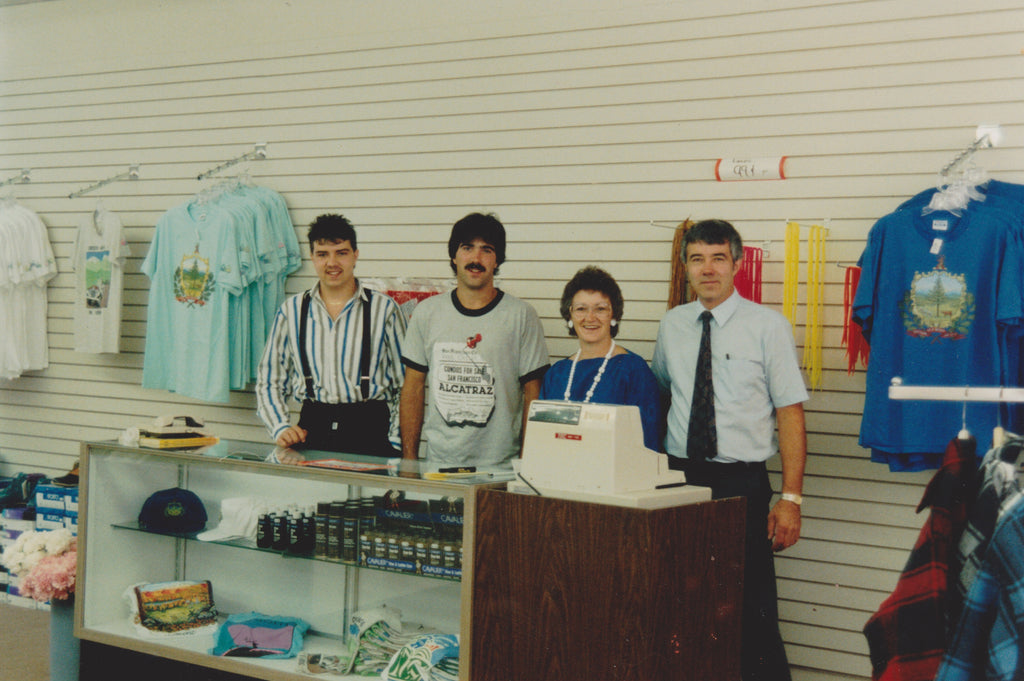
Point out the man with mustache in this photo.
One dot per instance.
(335, 348)
(483, 352)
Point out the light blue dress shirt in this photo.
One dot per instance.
(754, 369)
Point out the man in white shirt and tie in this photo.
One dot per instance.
(754, 385)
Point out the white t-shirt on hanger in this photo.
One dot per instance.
(26, 265)
(100, 253)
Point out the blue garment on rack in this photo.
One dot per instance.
(1009, 197)
(218, 267)
(195, 266)
(998, 491)
(987, 642)
(936, 293)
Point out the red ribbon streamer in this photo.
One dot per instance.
(748, 279)
(857, 348)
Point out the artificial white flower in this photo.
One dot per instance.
(32, 546)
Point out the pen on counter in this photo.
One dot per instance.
(457, 469)
(440, 475)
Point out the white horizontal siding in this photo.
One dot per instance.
(591, 128)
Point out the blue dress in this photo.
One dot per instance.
(627, 380)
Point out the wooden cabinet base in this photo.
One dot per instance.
(568, 591)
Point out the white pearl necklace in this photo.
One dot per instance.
(597, 378)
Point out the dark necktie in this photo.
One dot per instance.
(701, 438)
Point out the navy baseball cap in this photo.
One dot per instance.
(173, 510)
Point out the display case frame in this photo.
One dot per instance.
(113, 555)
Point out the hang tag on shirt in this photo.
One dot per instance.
(940, 225)
(936, 246)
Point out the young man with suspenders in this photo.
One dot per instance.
(335, 348)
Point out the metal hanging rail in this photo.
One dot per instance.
(985, 136)
(132, 174)
(257, 154)
(944, 393)
(23, 176)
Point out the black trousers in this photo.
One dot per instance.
(762, 651)
(350, 428)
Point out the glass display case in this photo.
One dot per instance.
(334, 536)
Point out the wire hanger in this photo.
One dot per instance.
(1000, 436)
(964, 433)
(132, 174)
(7, 196)
(957, 191)
(23, 176)
(257, 154)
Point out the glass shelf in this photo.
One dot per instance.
(405, 567)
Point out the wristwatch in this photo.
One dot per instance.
(795, 498)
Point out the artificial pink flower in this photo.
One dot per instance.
(53, 578)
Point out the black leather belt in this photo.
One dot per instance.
(700, 467)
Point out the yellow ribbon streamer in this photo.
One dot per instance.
(815, 291)
(791, 272)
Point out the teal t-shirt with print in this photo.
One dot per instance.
(195, 265)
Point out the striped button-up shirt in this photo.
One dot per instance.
(333, 349)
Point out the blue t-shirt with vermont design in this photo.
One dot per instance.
(1009, 197)
(936, 296)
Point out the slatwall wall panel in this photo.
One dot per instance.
(589, 128)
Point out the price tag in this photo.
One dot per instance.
(732, 169)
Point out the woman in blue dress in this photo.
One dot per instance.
(601, 370)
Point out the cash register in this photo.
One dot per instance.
(595, 452)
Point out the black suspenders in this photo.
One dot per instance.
(364, 357)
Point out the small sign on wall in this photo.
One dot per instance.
(732, 169)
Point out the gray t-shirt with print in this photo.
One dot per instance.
(476, 362)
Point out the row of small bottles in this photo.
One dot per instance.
(411, 553)
(287, 528)
(364, 531)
